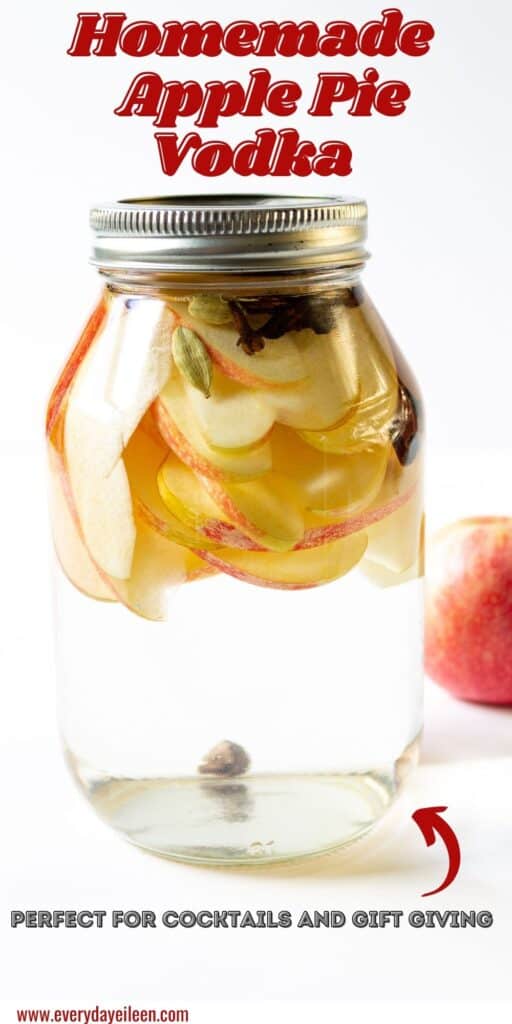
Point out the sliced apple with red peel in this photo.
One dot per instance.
(158, 567)
(179, 429)
(376, 369)
(357, 432)
(400, 480)
(86, 339)
(223, 534)
(319, 531)
(278, 363)
(158, 563)
(183, 493)
(397, 541)
(396, 552)
(185, 496)
(266, 510)
(170, 527)
(120, 376)
(93, 444)
(233, 416)
(372, 412)
(344, 490)
(303, 408)
(103, 500)
(400, 486)
(331, 387)
(293, 570)
(72, 554)
(143, 362)
(190, 502)
(332, 485)
(143, 458)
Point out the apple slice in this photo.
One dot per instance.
(331, 387)
(302, 407)
(266, 510)
(179, 429)
(185, 496)
(400, 480)
(319, 531)
(396, 542)
(372, 411)
(341, 490)
(221, 534)
(293, 570)
(78, 354)
(93, 444)
(143, 458)
(121, 375)
(74, 559)
(158, 566)
(158, 563)
(143, 361)
(332, 485)
(400, 485)
(279, 362)
(233, 416)
(384, 578)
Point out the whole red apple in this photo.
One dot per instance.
(468, 638)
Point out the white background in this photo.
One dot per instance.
(438, 184)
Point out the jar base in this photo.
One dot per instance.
(250, 820)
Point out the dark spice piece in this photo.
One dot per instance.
(249, 339)
(289, 313)
(226, 759)
(297, 315)
(405, 429)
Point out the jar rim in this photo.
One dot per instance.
(228, 232)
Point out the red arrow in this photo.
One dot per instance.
(430, 822)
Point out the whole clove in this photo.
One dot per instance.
(288, 313)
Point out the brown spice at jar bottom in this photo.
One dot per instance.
(225, 758)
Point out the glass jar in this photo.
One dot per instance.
(235, 449)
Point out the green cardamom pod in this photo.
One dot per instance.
(210, 308)
(192, 359)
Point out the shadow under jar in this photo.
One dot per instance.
(235, 449)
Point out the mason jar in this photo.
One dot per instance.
(235, 465)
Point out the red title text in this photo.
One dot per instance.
(171, 103)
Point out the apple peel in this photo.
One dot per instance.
(110, 394)
(297, 570)
(60, 391)
(180, 431)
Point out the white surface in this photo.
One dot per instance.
(58, 855)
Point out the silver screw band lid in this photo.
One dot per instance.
(228, 232)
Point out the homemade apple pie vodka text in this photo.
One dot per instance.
(235, 462)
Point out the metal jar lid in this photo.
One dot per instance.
(229, 233)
